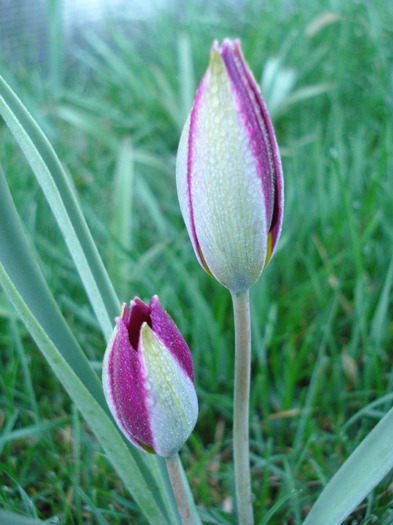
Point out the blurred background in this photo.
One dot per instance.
(111, 84)
(30, 29)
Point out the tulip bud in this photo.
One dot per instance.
(148, 379)
(229, 175)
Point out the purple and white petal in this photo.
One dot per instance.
(170, 395)
(228, 172)
(148, 379)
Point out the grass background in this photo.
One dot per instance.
(321, 313)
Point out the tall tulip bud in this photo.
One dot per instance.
(148, 379)
(229, 175)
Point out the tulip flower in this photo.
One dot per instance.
(148, 379)
(229, 175)
(231, 194)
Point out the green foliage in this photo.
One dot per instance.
(322, 311)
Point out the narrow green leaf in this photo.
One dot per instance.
(122, 195)
(309, 92)
(361, 472)
(277, 506)
(168, 97)
(367, 410)
(186, 73)
(56, 47)
(18, 519)
(156, 214)
(381, 311)
(18, 261)
(118, 67)
(54, 183)
(121, 226)
(25, 366)
(100, 519)
(32, 430)
(27, 502)
(84, 121)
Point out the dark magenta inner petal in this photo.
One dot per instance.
(127, 389)
(275, 209)
(139, 314)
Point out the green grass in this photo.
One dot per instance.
(321, 313)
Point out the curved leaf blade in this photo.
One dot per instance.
(58, 192)
(361, 472)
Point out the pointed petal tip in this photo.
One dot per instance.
(137, 305)
(155, 302)
(230, 44)
(136, 302)
(123, 311)
(215, 59)
(215, 47)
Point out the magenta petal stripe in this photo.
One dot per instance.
(271, 169)
(125, 387)
(191, 136)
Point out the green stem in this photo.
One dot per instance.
(241, 455)
(179, 490)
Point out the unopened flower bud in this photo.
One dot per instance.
(148, 379)
(229, 175)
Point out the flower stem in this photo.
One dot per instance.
(241, 455)
(175, 475)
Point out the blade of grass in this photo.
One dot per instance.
(121, 227)
(319, 370)
(276, 507)
(381, 311)
(168, 97)
(122, 198)
(118, 67)
(86, 121)
(77, 461)
(155, 212)
(27, 378)
(186, 73)
(90, 125)
(27, 502)
(99, 518)
(309, 92)
(367, 410)
(56, 44)
(32, 430)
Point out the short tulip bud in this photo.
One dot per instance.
(148, 379)
(229, 175)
